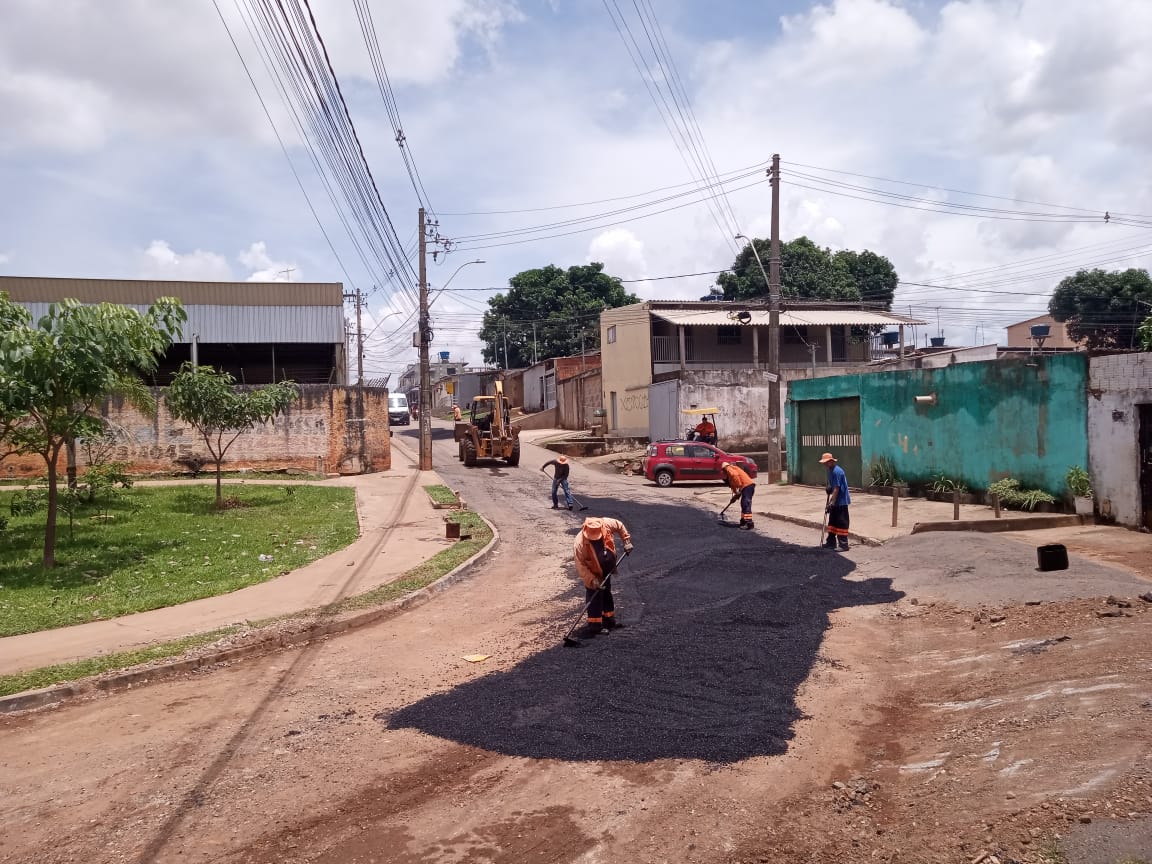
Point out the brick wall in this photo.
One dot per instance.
(567, 367)
(320, 433)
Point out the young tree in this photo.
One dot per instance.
(1101, 308)
(208, 400)
(565, 306)
(53, 373)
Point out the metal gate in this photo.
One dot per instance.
(828, 426)
(1145, 454)
(664, 411)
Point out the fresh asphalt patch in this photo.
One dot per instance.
(721, 630)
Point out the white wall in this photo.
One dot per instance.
(1116, 385)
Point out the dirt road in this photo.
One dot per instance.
(768, 702)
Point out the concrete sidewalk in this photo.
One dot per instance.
(399, 529)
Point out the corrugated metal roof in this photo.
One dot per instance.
(251, 324)
(788, 318)
(32, 289)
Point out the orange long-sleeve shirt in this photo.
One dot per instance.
(587, 567)
(736, 478)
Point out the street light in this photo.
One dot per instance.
(763, 272)
(453, 276)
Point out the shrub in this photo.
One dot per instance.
(1079, 484)
(882, 472)
(943, 483)
(1015, 498)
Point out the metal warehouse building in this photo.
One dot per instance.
(259, 332)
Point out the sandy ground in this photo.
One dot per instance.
(935, 700)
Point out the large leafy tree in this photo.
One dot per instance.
(553, 310)
(56, 371)
(811, 272)
(210, 402)
(1101, 308)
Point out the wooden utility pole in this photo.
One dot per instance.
(774, 423)
(425, 371)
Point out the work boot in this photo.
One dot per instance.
(569, 506)
(830, 543)
(556, 507)
(746, 525)
(590, 629)
(611, 624)
(843, 544)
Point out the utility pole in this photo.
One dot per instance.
(534, 360)
(359, 341)
(774, 423)
(505, 343)
(425, 371)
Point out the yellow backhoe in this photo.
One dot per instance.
(487, 431)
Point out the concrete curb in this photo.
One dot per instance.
(810, 523)
(991, 526)
(128, 678)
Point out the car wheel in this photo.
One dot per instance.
(664, 479)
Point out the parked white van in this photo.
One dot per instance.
(398, 414)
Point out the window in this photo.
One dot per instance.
(728, 335)
(699, 452)
(676, 450)
(451, 370)
(611, 334)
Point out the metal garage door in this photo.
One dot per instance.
(664, 411)
(828, 426)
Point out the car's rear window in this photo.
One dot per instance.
(675, 450)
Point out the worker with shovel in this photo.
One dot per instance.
(743, 487)
(559, 480)
(595, 553)
(838, 501)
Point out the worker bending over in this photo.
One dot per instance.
(743, 487)
(595, 553)
(559, 480)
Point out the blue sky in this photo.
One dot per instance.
(134, 146)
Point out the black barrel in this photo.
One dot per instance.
(1052, 557)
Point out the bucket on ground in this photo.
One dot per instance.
(1052, 557)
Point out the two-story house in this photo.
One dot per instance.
(660, 358)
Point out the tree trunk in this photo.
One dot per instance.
(50, 525)
(70, 449)
(219, 495)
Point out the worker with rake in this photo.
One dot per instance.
(838, 501)
(595, 552)
(560, 470)
(743, 487)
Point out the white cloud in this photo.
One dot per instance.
(621, 252)
(264, 269)
(159, 261)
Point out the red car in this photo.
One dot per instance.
(667, 462)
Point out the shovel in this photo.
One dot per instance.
(824, 525)
(571, 641)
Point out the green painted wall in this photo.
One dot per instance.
(1022, 417)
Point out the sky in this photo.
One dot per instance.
(135, 145)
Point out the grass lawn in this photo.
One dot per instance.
(441, 494)
(161, 546)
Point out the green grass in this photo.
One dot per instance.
(415, 579)
(440, 494)
(49, 675)
(162, 546)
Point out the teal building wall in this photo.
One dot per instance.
(1021, 417)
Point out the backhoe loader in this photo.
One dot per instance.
(487, 431)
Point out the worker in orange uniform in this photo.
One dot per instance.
(743, 487)
(595, 553)
(705, 431)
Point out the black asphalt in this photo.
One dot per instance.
(722, 628)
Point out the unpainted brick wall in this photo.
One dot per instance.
(320, 433)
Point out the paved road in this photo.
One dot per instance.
(384, 745)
